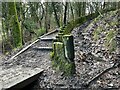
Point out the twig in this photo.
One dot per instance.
(100, 74)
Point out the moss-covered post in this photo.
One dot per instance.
(69, 52)
(69, 47)
(60, 36)
(58, 51)
(58, 48)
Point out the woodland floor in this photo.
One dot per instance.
(91, 58)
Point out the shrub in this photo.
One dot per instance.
(40, 31)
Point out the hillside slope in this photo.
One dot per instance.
(96, 51)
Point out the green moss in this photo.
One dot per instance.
(110, 41)
(112, 46)
(77, 22)
(96, 33)
(110, 35)
(114, 23)
(40, 31)
(69, 69)
(52, 54)
(16, 27)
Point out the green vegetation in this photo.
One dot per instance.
(110, 40)
(77, 22)
(96, 33)
(80, 20)
(23, 22)
(112, 45)
(40, 31)
(110, 35)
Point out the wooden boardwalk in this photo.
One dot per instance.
(17, 77)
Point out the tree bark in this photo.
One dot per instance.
(46, 16)
(55, 14)
(16, 28)
(65, 14)
(72, 11)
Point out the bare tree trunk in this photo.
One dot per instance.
(65, 14)
(84, 8)
(72, 11)
(55, 14)
(46, 16)
(16, 28)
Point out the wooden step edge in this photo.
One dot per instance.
(47, 39)
(42, 48)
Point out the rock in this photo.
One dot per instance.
(103, 49)
(60, 83)
(92, 44)
(111, 85)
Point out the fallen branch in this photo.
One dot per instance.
(81, 55)
(100, 74)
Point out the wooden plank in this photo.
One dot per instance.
(21, 77)
(43, 48)
(47, 39)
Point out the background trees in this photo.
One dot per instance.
(25, 21)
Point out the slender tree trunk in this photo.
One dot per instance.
(46, 16)
(78, 8)
(55, 14)
(84, 8)
(42, 15)
(72, 11)
(16, 28)
(65, 14)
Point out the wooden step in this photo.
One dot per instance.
(54, 31)
(43, 48)
(18, 77)
(47, 39)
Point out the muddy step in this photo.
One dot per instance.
(43, 44)
(42, 48)
(18, 77)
